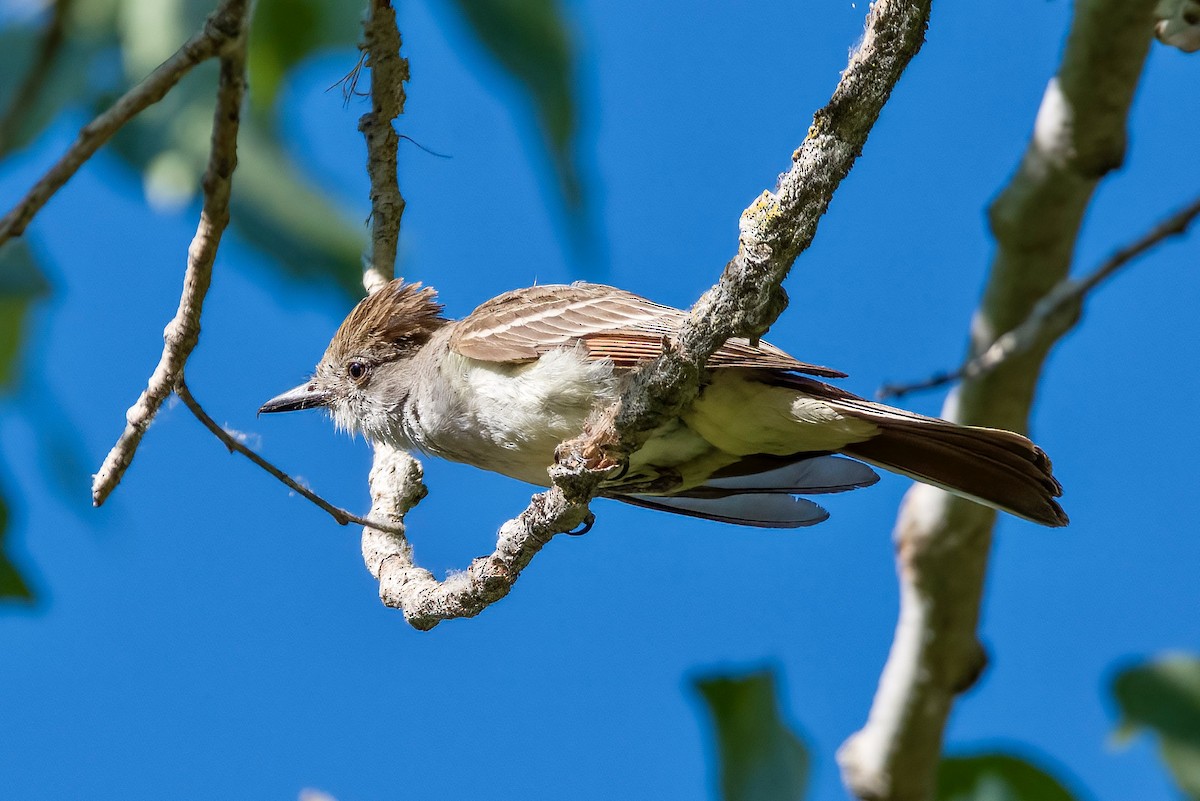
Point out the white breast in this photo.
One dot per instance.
(509, 417)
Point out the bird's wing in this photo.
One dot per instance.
(613, 324)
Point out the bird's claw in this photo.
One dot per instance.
(584, 527)
(622, 469)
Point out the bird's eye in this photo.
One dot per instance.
(357, 370)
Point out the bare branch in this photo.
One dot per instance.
(342, 516)
(748, 298)
(48, 50)
(221, 32)
(389, 71)
(183, 331)
(942, 541)
(1058, 312)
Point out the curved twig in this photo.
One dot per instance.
(339, 514)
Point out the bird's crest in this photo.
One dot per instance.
(397, 316)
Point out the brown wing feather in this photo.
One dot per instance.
(521, 325)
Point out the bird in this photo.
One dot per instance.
(501, 388)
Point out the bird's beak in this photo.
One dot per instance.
(305, 396)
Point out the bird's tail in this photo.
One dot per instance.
(994, 467)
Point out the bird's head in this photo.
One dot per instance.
(364, 375)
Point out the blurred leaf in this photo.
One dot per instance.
(286, 31)
(272, 207)
(21, 283)
(531, 42)
(275, 209)
(997, 777)
(70, 76)
(1164, 697)
(151, 32)
(12, 585)
(761, 759)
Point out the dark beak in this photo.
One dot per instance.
(305, 396)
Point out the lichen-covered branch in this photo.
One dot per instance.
(220, 32)
(773, 231)
(745, 302)
(942, 541)
(389, 71)
(182, 333)
(1059, 310)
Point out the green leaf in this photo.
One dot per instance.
(68, 79)
(12, 585)
(284, 32)
(272, 207)
(529, 39)
(276, 210)
(761, 758)
(21, 283)
(997, 777)
(1164, 697)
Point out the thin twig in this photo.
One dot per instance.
(183, 331)
(1056, 313)
(342, 516)
(220, 30)
(40, 69)
(748, 298)
(389, 71)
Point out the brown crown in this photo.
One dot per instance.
(397, 316)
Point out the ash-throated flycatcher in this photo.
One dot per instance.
(502, 387)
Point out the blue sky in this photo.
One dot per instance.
(205, 634)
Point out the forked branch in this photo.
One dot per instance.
(182, 333)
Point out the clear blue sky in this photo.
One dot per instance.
(207, 635)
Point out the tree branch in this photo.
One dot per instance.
(943, 542)
(221, 32)
(342, 516)
(183, 331)
(1056, 313)
(389, 71)
(396, 477)
(745, 302)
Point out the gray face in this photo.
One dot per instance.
(360, 391)
(361, 379)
